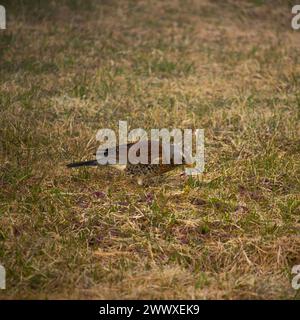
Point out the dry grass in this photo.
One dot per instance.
(69, 68)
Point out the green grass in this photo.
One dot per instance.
(70, 68)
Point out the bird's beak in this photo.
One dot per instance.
(190, 165)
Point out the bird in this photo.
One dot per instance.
(145, 169)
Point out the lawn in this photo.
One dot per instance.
(70, 68)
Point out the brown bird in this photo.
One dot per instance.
(145, 169)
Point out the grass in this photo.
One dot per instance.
(68, 69)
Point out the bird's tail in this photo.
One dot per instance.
(82, 164)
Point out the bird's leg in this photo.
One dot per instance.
(184, 177)
(140, 181)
